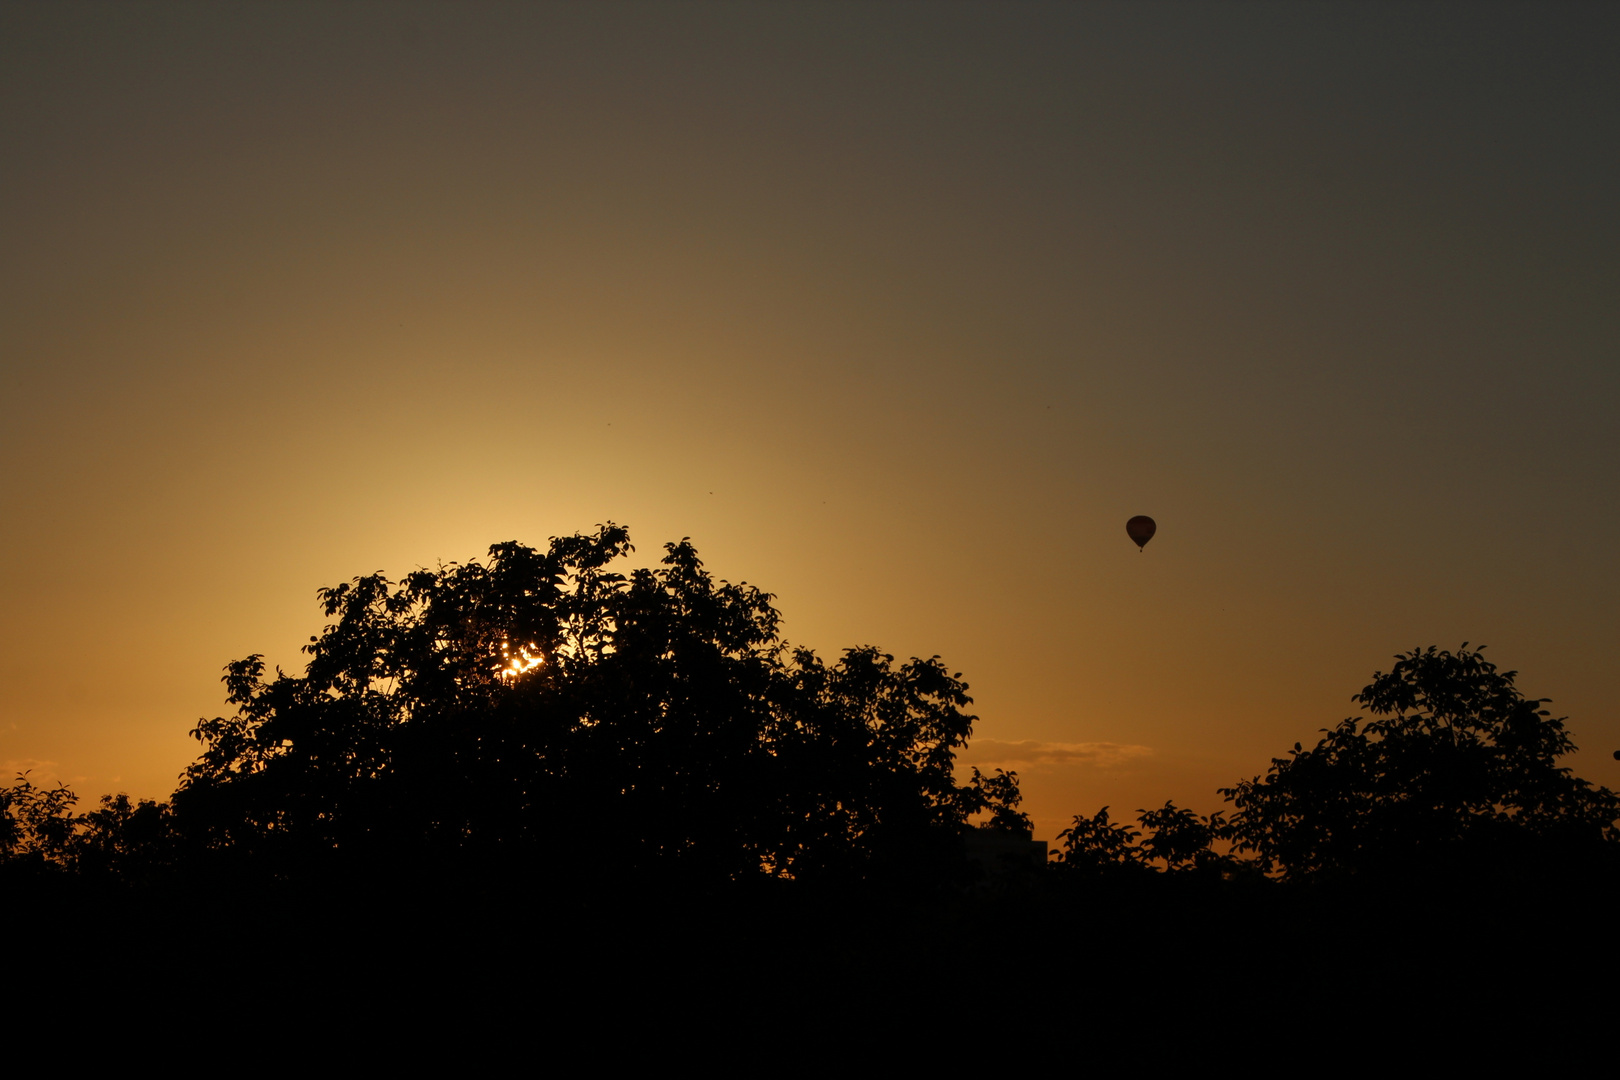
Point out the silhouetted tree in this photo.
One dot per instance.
(999, 795)
(40, 833)
(1456, 772)
(36, 825)
(123, 839)
(1096, 846)
(543, 710)
(1455, 768)
(1183, 839)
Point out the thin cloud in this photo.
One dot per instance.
(993, 753)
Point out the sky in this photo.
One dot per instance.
(898, 311)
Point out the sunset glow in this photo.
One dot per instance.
(526, 660)
(898, 312)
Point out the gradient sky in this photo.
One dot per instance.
(898, 311)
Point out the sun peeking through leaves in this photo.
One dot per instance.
(527, 659)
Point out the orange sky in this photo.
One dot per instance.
(897, 311)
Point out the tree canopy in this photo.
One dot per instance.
(543, 706)
(1454, 764)
(1455, 771)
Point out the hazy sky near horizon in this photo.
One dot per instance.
(899, 311)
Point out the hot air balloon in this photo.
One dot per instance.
(1141, 529)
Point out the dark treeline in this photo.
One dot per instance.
(499, 750)
(544, 716)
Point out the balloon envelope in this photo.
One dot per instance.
(1141, 529)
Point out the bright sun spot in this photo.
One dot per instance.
(525, 660)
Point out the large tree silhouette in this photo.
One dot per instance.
(542, 710)
(1455, 775)
(1456, 768)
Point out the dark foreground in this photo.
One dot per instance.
(1048, 955)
